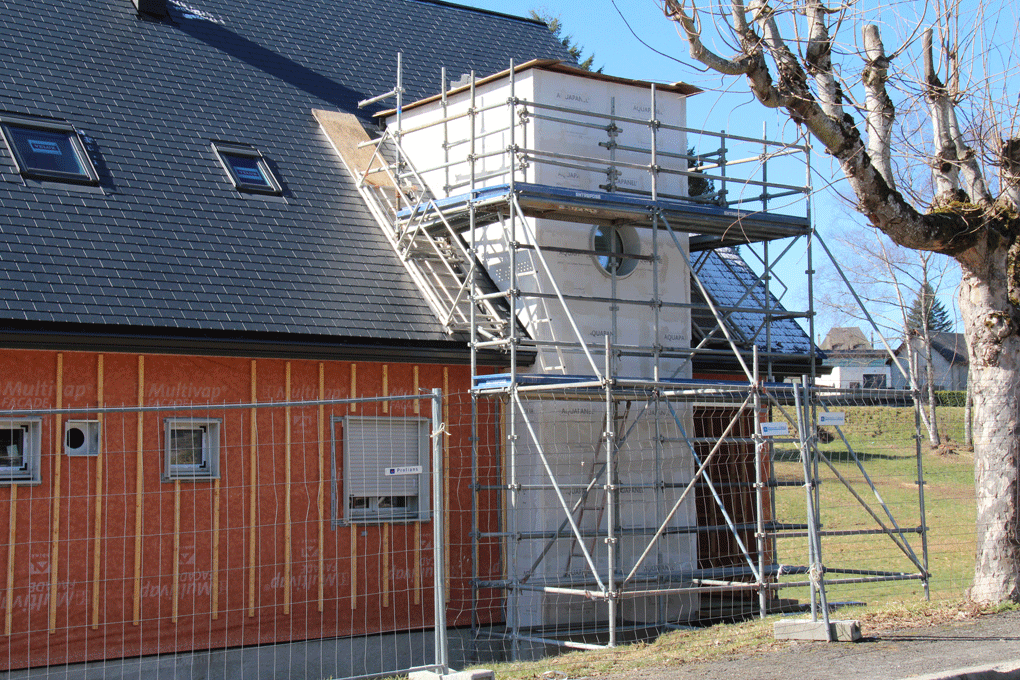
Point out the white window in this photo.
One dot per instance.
(47, 149)
(20, 448)
(611, 245)
(385, 470)
(192, 449)
(246, 168)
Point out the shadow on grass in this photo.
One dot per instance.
(839, 456)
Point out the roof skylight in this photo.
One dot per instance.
(246, 168)
(47, 149)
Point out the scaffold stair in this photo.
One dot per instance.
(444, 268)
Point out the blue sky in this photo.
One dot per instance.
(632, 38)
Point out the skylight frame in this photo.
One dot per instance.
(12, 125)
(225, 150)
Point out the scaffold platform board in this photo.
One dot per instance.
(710, 226)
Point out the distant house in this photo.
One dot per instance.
(843, 338)
(851, 362)
(949, 358)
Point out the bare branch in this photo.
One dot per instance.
(1009, 172)
(944, 166)
(878, 105)
(675, 11)
(819, 60)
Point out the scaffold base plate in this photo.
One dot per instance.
(803, 629)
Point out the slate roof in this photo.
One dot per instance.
(168, 253)
(168, 245)
(727, 278)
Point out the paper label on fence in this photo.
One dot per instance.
(833, 418)
(405, 470)
(773, 429)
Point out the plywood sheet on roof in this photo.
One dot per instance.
(346, 134)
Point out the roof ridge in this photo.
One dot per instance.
(455, 5)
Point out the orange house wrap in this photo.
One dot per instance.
(185, 565)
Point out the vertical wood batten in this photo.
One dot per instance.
(175, 587)
(417, 390)
(97, 542)
(446, 477)
(417, 562)
(287, 566)
(321, 496)
(354, 386)
(216, 551)
(354, 567)
(136, 605)
(12, 536)
(55, 530)
(386, 564)
(253, 491)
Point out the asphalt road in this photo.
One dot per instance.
(943, 651)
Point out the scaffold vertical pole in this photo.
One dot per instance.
(815, 564)
(759, 486)
(611, 496)
(439, 538)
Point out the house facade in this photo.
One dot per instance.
(197, 300)
(950, 362)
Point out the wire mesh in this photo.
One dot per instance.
(289, 536)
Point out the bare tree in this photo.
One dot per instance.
(890, 280)
(787, 52)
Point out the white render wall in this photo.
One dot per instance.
(569, 432)
(492, 134)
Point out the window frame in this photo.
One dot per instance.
(224, 150)
(629, 242)
(209, 468)
(10, 122)
(374, 512)
(30, 471)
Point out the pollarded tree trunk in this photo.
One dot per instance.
(965, 222)
(991, 325)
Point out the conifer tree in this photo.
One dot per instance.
(928, 313)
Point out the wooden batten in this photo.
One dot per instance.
(136, 604)
(446, 477)
(175, 587)
(320, 498)
(216, 551)
(253, 494)
(386, 387)
(97, 541)
(354, 567)
(417, 390)
(287, 566)
(417, 562)
(57, 463)
(354, 387)
(386, 564)
(12, 541)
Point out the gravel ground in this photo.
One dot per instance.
(881, 655)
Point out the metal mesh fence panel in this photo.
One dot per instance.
(253, 540)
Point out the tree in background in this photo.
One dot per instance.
(887, 278)
(842, 94)
(928, 313)
(575, 50)
(696, 184)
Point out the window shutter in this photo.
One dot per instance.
(371, 445)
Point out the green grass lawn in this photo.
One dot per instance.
(883, 440)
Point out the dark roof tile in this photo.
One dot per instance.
(169, 229)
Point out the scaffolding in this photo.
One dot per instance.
(456, 183)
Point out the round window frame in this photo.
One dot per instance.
(630, 245)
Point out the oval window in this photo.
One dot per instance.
(611, 245)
